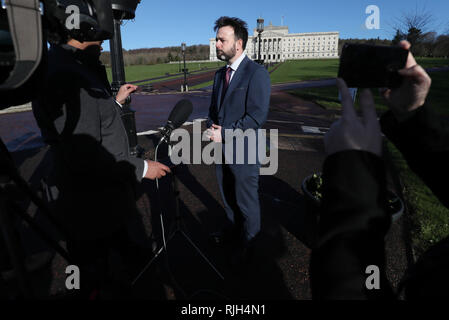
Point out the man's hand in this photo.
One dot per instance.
(413, 91)
(214, 133)
(124, 92)
(351, 133)
(156, 170)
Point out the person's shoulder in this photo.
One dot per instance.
(254, 66)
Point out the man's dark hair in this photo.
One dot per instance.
(240, 28)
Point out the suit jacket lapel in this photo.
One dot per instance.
(220, 83)
(235, 80)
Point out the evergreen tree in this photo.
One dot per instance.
(398, 37)
(414, 36)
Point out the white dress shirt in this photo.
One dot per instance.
(235, 65)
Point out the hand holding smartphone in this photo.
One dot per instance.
(369, 66)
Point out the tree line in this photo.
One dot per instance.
(418, 28)
(149, 56)
(428, 44)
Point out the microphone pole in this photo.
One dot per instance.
(122, 12)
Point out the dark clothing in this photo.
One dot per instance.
(354, 220)
(92, 167)
(353, 223)
(424, 141)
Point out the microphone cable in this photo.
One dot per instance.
(167, 264)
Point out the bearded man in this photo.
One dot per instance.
(240, 101)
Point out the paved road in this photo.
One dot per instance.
(192, 80)
(281, 268)
(19, 131)
(179, 75)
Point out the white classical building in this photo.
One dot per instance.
(278, 45)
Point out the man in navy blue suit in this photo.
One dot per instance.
(240, 100)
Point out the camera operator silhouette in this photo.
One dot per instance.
(93, 175)
(354, 220)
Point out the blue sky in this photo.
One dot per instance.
(170, 22)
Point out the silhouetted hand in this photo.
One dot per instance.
(414, 90)
(156, 170)
(350, 132)
(124, 92)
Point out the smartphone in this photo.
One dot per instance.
(369, 66)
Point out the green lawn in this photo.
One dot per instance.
(432, 62)
(301, 70)
(328, 97)
(289, 71)
(428, 217)
(202, 85)
(141, 72)
(209, 83)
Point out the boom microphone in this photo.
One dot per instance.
(179, 114)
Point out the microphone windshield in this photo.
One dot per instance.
(180, 113)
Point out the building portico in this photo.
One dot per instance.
(277, 45)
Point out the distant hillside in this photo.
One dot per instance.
(159, 55)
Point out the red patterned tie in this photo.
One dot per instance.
(226, 84)
(228, 78)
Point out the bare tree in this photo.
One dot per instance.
(420, 20)
(415, 26)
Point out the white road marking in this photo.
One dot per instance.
(315, 130)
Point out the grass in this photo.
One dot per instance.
(158, 80)
(432, 62)
(302, 70)
(327, 97)
(209, 83)
(429, 218)
(142, 72)
(289, 71)
(202, 85)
